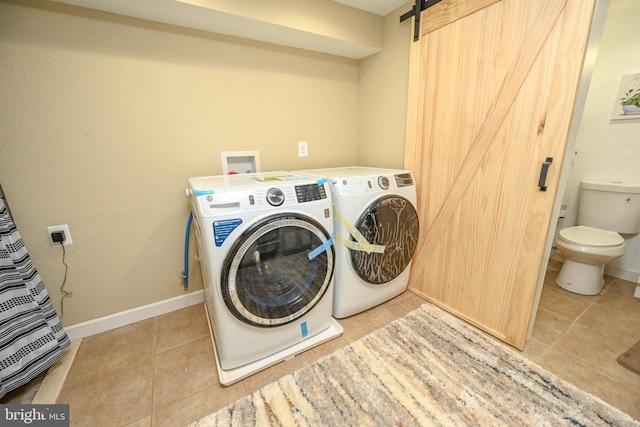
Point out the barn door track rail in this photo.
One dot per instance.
(415, 11)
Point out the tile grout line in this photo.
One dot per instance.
(153, 369)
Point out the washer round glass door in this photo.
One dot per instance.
(274, 274)
(392, 222)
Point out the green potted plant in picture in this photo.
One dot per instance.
(631, 101)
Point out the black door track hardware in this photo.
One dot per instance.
(417, 8)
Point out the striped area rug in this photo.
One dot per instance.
(428, 368)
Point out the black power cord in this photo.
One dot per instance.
(58, 237)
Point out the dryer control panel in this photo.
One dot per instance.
(356, 185)
(404, 179)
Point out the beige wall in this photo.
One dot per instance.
(382, 96)
(104, 117)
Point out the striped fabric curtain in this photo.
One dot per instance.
(31, 335)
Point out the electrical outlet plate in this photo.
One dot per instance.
(303, 148)
(67, 234)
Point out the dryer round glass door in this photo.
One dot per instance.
(391, 222)
(277, 270)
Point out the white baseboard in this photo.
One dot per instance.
(127, 317)
(622, 273)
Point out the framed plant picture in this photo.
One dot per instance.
(627, 104)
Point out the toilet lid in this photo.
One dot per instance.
(590, 236)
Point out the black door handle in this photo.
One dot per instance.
(542, 182)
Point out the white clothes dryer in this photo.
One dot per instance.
(267, 260)
(376, 234)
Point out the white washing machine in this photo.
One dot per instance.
(267, 258)
(376, 234)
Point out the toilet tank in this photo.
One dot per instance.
(613, 206)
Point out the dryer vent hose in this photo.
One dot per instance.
(187, 235)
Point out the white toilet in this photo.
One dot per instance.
(604, 210)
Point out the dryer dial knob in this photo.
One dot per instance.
(383, 182)
(275, 197)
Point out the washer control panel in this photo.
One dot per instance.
(228, 201)
(310, 192)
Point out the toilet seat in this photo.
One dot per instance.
(588, 236)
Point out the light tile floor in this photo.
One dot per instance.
(579, 338)
(161, 372)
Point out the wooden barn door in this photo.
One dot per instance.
(492, 90)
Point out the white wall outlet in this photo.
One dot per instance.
(303, 148)
(67, 234)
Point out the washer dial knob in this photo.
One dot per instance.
(383, 182)
(275, 197)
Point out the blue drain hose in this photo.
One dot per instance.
(185, 271)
